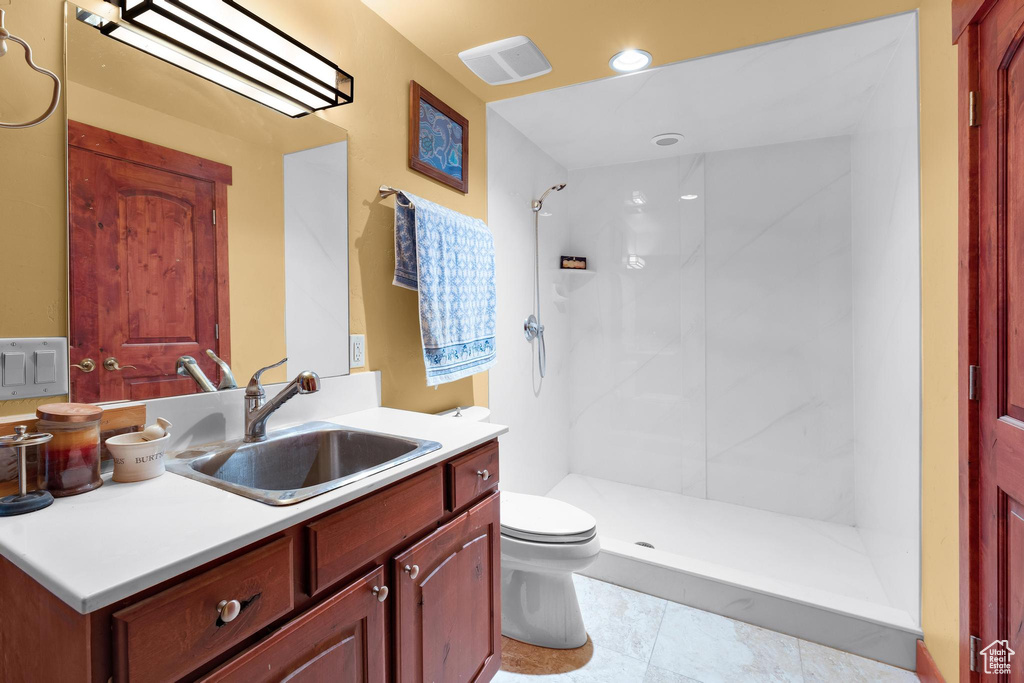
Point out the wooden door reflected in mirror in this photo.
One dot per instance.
(149, 281)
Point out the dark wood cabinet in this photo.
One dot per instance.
(341, 639)
(448, 601)
(328, 599)
(171, 633)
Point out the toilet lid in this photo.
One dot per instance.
(544, 520)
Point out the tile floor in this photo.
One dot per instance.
(637, 638)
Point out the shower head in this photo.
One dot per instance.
(538, 203)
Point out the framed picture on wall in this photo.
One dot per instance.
(438, 139)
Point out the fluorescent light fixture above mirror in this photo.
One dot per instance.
(223, 42)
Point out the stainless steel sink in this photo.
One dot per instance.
(298, 463)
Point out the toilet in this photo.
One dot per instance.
(543, 541)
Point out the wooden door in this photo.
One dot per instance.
(148, 267)
(341, 640)
(448, 604)
(992, 328)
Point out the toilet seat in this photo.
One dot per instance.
(544, 520)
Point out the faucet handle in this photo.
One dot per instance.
(254, 388)
(227, 378)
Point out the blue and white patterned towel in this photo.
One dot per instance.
(449, 259)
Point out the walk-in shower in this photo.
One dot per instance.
(532, 326)
(747, 401)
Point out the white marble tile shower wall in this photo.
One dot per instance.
(887, 338)
(535, 454)
(779, 335)
(637, 324)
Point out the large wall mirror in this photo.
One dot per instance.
(202, 226)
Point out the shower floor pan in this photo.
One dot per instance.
(806, 578)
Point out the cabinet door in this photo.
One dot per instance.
(340, 640)
(448, 609)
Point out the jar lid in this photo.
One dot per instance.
(69, 412)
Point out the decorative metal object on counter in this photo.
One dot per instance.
(69, 463)
(25, 500)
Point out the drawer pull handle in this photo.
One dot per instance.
(229, 610)
(483, 474)
(381, 592)
(413, 571)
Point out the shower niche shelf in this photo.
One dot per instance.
(569, 281)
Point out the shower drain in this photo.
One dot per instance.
(645, 544)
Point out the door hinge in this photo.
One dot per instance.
(973, 376)
(215, 211)
(972, 109)
(975, 647)
(216, 330)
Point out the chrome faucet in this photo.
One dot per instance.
(258, 409)
(187, 366)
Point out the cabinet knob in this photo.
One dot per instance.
(413, 571)
(229, 610)
(381, 592)
(483, 474)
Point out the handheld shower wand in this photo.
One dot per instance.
(532, 326)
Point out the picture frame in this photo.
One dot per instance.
(438, 139)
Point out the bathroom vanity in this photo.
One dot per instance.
(396, 577)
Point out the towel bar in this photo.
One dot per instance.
(386, 191)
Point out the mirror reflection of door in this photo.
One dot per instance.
(148, 255)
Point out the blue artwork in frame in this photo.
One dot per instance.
(438, 139)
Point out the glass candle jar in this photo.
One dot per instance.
(69, 463)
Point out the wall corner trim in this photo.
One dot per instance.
(927, 671)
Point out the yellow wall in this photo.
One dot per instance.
(383, 62)
(32, 192)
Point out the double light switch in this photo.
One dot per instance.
(33, 367)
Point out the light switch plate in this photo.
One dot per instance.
(39, 367)
(357, 350)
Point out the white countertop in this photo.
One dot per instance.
(97, 548)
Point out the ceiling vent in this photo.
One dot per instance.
(506, 61)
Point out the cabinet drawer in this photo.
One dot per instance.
(171, 633)
(341, 639)
(344, 541)
(472, 475)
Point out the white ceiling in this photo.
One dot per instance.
(803, 88)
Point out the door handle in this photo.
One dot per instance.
(111, 365)
(87, 365)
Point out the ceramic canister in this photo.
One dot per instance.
(135, 459)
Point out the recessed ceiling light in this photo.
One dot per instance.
(630, 60)
(689, 197)
(546, 213)
(667, 139)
